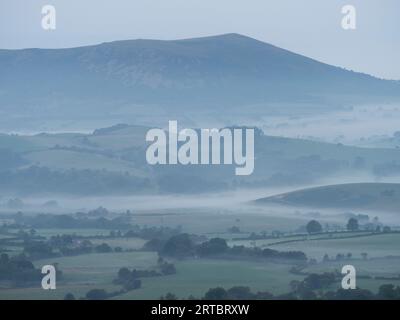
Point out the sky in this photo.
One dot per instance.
(309, 27)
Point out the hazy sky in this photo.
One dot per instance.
(309, 27)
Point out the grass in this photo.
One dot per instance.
(195, 277)
(65, 159)
(386, 267)
(198, 222)
(124, 243)
(263, 243)
(382, 267)
(86, 272)
(375, 246)
(81, 232)
(100, 267)
(83, 273)
(79, 290)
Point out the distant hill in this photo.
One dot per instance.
(141, 77)
(368, 196)
(112, 160)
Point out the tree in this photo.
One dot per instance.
(318, 281)
(339, 257)
(167, 268)
(124, 274)
(103, 248)
(180, 245)
(314, 227)
(132, 284)
(69, 296)
(216, 294)
(355, 294)
(213, 246)
(234, 229)
(388, 292)
(386, 229)
(169, 296)
(307, 294)
(352, 224)
(97, 294)
(240, 293)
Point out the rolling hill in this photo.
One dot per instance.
(112, 159)
(368, 196)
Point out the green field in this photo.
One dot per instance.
(86, 272)
(124, 243)
(198, 221)
(195, 277)
(263, 243)
(80, 232)
(381, 267)
(65, 159)
(381, 245)
(83, 273)
(378, 267)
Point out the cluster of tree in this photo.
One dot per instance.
(67, 221)
(352, 224)
(72, 181)
(314, 227)
(165, 267)
(312, 282)
(183, 245)
(130, 279)
(149, 233)
(19, 270)
(98, 294)
(64, 245)
(38, 249)
(304, 292)
(83, 247)
(236, 293)
(385, 292)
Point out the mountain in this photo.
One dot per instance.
(367, 196)
(137, 78)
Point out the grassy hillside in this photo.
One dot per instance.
(119, 151)
(371, 196)
(129, 79)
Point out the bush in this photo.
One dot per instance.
(97, 294)
(314, 227)
(103, 248)
(216, 294)
(179, 246)
(212, 247)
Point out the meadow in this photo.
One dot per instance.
(375, 246)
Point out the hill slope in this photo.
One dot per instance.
(117, 78)
(119, 151)
(369, 196)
